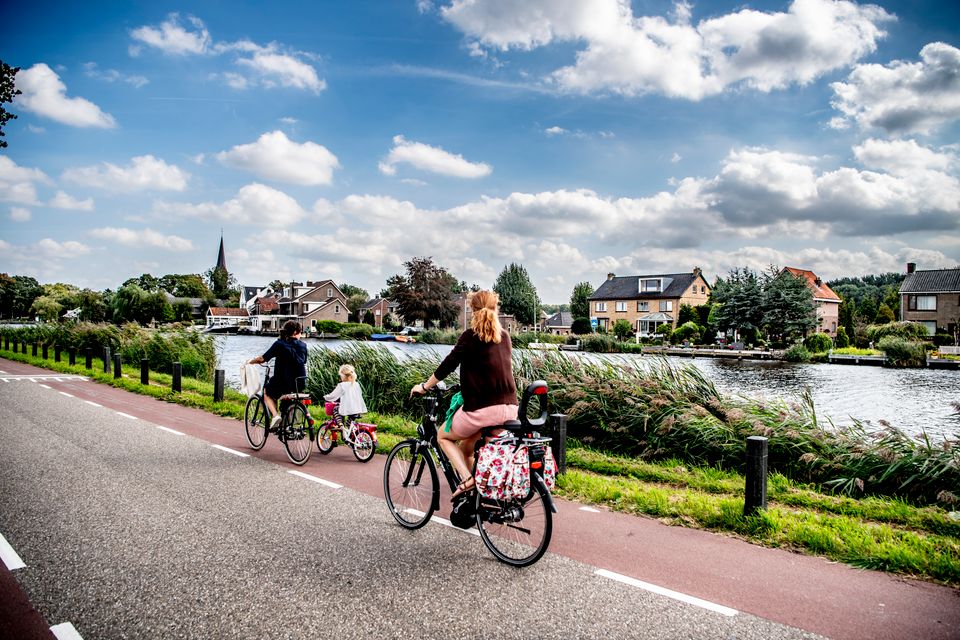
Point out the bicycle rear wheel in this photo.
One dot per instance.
(409, 484)
(255, 423)
(363, 446)
(297, 438)
(516, 532)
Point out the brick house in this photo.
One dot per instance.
(558, 324)
(312, 302)
(931, 298)
(828, 302)
(226, 318)
(648, 301)
(379, 307)
(507, 322)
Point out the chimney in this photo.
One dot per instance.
(611, 276)
(696, 271)
(818, 281)
(911, 267)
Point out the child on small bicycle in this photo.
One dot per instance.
(350, 395)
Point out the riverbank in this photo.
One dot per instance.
(889, 535)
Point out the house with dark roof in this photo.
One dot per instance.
(226, 319)
(379, 308)
(932, 298)
(647, 302)
(558, 324)
(312, 302)
(827, 302)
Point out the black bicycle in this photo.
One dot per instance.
(295, 429)
(516, 531)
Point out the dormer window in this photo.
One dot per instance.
(651, 285)
(329, 292)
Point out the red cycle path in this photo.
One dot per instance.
(806, 592)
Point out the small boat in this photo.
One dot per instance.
(403, 338)
(383, 337)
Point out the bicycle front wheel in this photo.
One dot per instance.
(255, 422)
(409, 484)
(363, 446)
(516, 532)
(297, 438)
(325, 438)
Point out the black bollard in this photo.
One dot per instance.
(755, 497)
(45, 351)
(177, 371)
(218, 379)
(73, 355)
(558, 444)
(56, 353)
(106, 359)
(144, 371)
(116, 366)
(33, 351)
(23, 347)
(14, 346)
(88, 352)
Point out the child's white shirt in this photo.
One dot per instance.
(351, 398)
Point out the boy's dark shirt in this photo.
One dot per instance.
(486, 370)
(291, 362)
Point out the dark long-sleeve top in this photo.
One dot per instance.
(291, 357)
(486, 370)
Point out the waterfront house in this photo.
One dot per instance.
(558, 324)
(647, 302)
(226, 318)
(379, 308)
(507, 321)
(312, 302)
(932, 298)
(827, 302)
(198, 306)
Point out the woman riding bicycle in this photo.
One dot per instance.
(484, 354)
(291, 355)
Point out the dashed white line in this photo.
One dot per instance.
(236, 453)
(676, 595)
(65, 631)
(126, 415)
(45, 386)
(472, 531)
(9, 556)
(326, 483)
(92, 403)
(176, 433)
(64, 393)
(589, 509)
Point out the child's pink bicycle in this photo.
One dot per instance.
(361, 437)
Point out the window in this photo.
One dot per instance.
(601, 306)
(622, 307)
(666, 305)
(643, 306)
(377, 312)
(336, 309)
(329, 292)
(703, 289)
(931, 326)
(922, 303)
(650, 285)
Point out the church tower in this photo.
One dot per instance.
(221, 257)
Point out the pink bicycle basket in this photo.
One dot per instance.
(329, 407)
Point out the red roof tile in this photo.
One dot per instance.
(820, 290)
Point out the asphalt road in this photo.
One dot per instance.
(129, 529)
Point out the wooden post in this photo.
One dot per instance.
(89, 357)
(755, 497)
(218, 381)
(116, 366)
(558, 433)
(144, 371)
(177, 372)
(106, 359)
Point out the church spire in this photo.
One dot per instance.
(221, 257)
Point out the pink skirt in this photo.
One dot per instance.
(468, 423)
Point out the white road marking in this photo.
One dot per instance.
(236, 453)
(65, 631)
(45, 386)
(64, 393)
(92, 403)
(33, 378)
(9, 556)
(676, 595)
(326, 483)
(176, 433)
(472, 531)
(126, 415)
(589, 509)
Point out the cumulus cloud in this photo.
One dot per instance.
(283, 69)
(173, 38)
(142, 174)
(45, 95)
(275, 157)
(20, 214)
(631, 55)
(902, 97)
(254, 204)
(49, 248)
(17, 183)
(112, 75)
(63, 200)
(433, 159)
(142, 238)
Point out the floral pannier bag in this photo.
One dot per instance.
(503, 470)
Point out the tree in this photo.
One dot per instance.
(277, 286)
(686, 314)
(222, 283)
(842, 341)
(518, 296)
(7, 93)
(354, 304)
(885, 314)
(146, 282)
(579, 305)
(425, 293)
(46, 308)
(581, 326)
(622, 329)
(740, 300)
(17, 294)
(93, 306)
(189, 285)
(789, 311)
(126, 303)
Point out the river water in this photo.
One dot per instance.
(914, 400)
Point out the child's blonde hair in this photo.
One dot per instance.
(348, 373)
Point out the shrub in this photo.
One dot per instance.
(438, 336)
(903, 353)
(521, 340)
(843, 340)
(328, 326)
(797, 353)
(622, 329)
(903, 330)
(356, 331)
(581, 326)
(818, 343)
(600, 343)
(687, 331)
(942, 339)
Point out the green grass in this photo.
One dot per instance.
(879, 533)
(856, 351)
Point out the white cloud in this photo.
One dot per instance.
(20, 214)
(902, 97)
(254, 204)
(143, 173)
(173, 38)
(275, 157)
(112, 75)
(555, 131)
(433, 159)
(287, 120)
(675, 158)
(285, 70)
(45, 95)
(631, 55)
(902, 157)
(17, 183)
(141, 238)
(49, 248)
(63, 200)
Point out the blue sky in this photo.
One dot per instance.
(576, 137)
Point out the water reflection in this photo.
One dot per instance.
(911, 399)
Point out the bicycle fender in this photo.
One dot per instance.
(536, 478)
